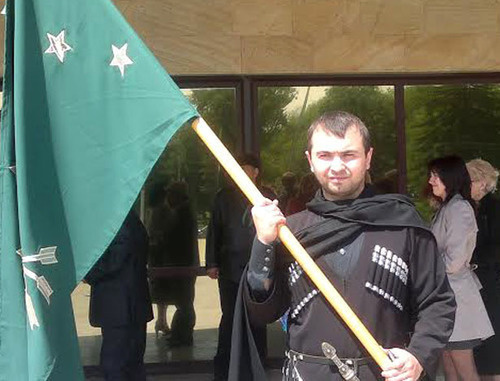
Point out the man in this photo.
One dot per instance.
(376, 252)
(229, 242)
(288, 181)
(120, 302)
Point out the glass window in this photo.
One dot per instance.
(188, 160)
(449, 119)
(176, 202)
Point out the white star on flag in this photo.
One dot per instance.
(120, 58)
(57, 45)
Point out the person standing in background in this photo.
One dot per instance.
(289, 183)
(307, 189)
(158, 218)
(181, 247)
(486, 256)
(120, 303)
(455, 229)
(229, 241)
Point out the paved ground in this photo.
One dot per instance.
(199, 356)
(206, 304)
(208, 314)
(272, 376)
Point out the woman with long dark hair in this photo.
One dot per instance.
(455, 229)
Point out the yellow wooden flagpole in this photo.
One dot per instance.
(292, 244)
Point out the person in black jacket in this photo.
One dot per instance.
(486, 256)
(229, 240)
(120, 303)
(157, 223)
(181, 250)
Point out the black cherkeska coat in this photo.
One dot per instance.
(426, 302)
(487, 257)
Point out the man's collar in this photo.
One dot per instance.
(368, 191)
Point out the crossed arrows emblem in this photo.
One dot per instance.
(46, 256)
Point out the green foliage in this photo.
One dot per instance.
(439, 120)
(186, 157)
(275, 141)
(271, 108)
(444, 120)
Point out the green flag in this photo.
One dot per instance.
(87, 112)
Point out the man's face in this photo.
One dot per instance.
(340, 164)
(251, 172)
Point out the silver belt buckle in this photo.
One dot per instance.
(345, 371)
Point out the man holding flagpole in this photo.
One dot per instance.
(374, 249)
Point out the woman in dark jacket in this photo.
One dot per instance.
(487, 257)
(174, 243)
(181, 247)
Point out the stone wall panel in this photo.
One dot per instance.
(354, 54)
(276, 55)
(317, 36)
(262, 17)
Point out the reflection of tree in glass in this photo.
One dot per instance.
(187, 158)
(275, 137)
(284, 138)
(443, 120)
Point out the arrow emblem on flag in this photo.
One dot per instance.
(41, 283)
(46, 256)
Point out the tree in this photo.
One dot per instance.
(284, 137)
(273, 125)
(187, 159)
(444, 120)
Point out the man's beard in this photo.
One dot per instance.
(343, 191)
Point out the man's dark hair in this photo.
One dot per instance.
(337, 123)
(454, 175)
(156, 194)
(177, 193)
(249, 159)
